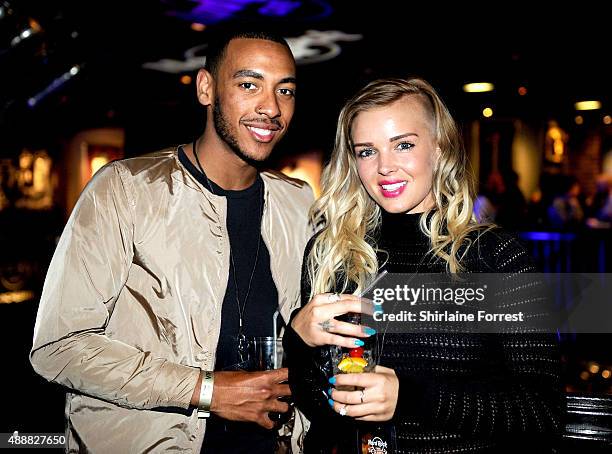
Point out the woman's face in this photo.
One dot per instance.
(395, 150)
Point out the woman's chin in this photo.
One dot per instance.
(394, 206)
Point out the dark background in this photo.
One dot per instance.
(559, 53)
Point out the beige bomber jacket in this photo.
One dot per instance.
(131, 305)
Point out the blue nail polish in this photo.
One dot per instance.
(331, 402)
(332, 380)
(379, 308)
(329, 391)
(370, 331)
(359, 343)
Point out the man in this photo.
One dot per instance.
(168, 261)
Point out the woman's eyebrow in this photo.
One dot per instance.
(401, 136)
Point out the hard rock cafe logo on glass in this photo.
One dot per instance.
(375, 445)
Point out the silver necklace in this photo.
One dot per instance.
(242, 340)
(380, 338)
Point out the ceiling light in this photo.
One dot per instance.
(54, 85)
(478, 87)
(487, 112)
(587, 105)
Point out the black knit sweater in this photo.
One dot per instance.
(458, 392)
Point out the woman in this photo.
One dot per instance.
(397, 195)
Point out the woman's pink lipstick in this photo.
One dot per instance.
(391, 189)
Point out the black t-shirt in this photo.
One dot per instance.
(244, 209)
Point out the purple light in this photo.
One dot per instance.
(213, 11)
(547, 236)
(279, 7)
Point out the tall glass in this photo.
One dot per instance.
(266, 353)
(354, 360)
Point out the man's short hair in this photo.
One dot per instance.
(217, 46)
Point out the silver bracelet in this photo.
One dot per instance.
(206, 392)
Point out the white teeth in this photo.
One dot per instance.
(394, 186)
(261, 132)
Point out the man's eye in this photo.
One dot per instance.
(405, 146)
(287, 92)
(365, 153)
(248, 85)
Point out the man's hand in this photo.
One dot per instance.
(250, 396)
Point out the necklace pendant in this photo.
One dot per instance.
(243, 347)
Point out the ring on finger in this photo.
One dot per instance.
(342, 411)
(333, 297)
(362, 395)
(326, 325)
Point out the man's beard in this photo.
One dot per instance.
(223, 131)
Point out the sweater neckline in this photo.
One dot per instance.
(401, 228)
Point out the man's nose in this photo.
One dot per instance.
(268, 105)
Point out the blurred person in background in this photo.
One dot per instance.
(599, 212)
(566, 210)
(502, 202)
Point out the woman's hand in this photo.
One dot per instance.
(376, 402)
(316, 324)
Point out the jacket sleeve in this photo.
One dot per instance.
(88, 271)
(518, 391)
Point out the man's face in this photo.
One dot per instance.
(254, 97)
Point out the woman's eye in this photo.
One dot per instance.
(365, 153)
(405, 146)
(248, 85)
